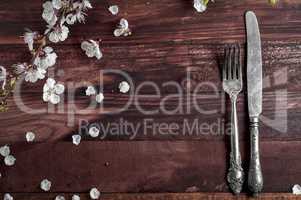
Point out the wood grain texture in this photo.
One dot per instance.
(143, 166)
(163, 21)
(169, 40)
(201, 63)
(161, 196)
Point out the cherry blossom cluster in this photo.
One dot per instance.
(58, 14)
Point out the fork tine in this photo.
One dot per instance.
(226, 63)
(230, 60)
(236, 61)
(239, 73)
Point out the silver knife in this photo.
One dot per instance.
(254, 82)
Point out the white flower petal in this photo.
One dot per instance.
(59, 88)
(9, 160)
(86, 4)
(297, 189)
(46, 96)
(64, 33)
(54, 37)
(75, 197)
(124, 87)
(71, 19)
(48, 10)
(57, 4)
(199, 5)
(54, 99)
(90, 91)
(7, 196)
(45, 185)
(48, 49)
(4, 150)
(30, 136)
(98, 54)
(50, 82)
(76, 139)
(99, 98)
(94, 193)
(94, 132)
(114, 9)
(59, 197)
(124, 23)
(118, 32)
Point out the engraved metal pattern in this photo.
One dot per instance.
(232, 85)
(254, 81)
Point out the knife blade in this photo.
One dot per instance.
(254, 86)
(254, 66)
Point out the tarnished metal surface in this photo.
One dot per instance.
(254, 81)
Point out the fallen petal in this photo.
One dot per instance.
(76, 139)
(45, 185)
(9, 160)
(30, 136)
(297, 189)
(94, 193)
(4, 150)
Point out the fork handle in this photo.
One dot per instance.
(255, 179)
(235, 175)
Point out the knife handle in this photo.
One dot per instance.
(255, 180)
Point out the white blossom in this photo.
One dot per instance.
(9, 160)
(114, 9)
(94, 193)
(76, 139)
(124, 87)
(29, 37)
(3, 75)
(7, 196)
(59, 197)
(59, 34)
(30, 136)
(32, 75)
(48, 59)
(49, 13)
(45, 185)
(99, 98)
(94, 132)
(90, 91)
(199, 5)
(52, 90)
(75, 197)
(4, 150)
(297, 189)
(122, 28)
(91, 48)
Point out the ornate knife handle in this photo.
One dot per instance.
(235, 175)
(255, 180)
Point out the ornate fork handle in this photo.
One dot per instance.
(235, 175)
(255, 180)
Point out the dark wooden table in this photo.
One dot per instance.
(169, 40)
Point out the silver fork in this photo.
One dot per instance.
(232, 85)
